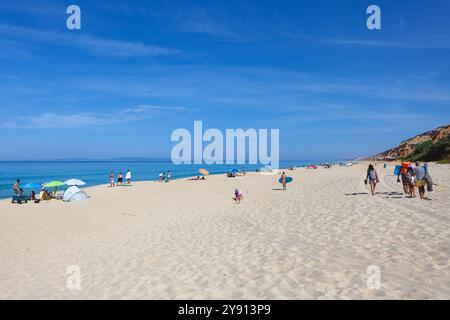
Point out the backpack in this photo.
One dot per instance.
(373, 175)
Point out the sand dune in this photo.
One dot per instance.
(188, 240)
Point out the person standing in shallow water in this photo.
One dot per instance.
(111, 180)
(128, 177)
(372, 178)
(120, 179)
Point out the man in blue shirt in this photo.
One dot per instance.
(420, 176)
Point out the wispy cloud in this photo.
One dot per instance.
(120, 48)
(41, 7)
(388, 44)
(9, 48)
(128, 8)
(218, 22)
(54, 121)
(93, 44)
(224, 88)
(49, 120)
(357, 115)
(202, 22)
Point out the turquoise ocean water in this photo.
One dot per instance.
(97, 172)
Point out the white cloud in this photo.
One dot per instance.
(51, 120)
(150, 109)
(119, 48)
(43, 7)
(422, 44)
(93, 44)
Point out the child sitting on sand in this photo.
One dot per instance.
(238, 196)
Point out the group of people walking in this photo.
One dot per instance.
(412, 177)
(417, 176)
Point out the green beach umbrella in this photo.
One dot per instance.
(54, 184)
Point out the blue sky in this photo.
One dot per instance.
(140, 69)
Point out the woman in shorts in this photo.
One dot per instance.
(372, 178)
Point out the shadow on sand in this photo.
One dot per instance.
(357, 194)
(391, 194)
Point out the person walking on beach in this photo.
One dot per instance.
(128, 177)
(111, 180)
(120, 179)
(412, 182)
(420, 174)
(16, 187)
(403, 173)
(283, 180)
(428, 179)
(372, 178)
(169, 176)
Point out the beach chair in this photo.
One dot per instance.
(18, 199)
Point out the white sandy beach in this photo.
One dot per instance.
(189, 240)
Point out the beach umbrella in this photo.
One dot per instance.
(203, 171)
(74, 182)
(54, 184)
(235, 171)
(32, 185)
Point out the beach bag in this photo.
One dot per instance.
(429, 183)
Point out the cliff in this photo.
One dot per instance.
(433, 145)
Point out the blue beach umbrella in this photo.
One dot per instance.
(235, 171)
(32, 185)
